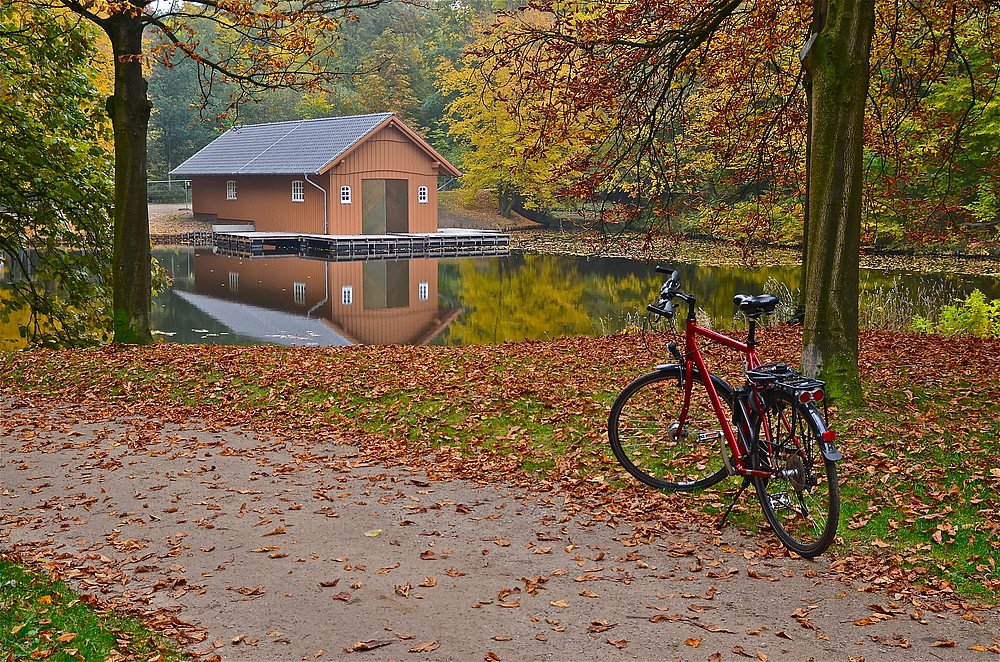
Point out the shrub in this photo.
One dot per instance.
(972, 316)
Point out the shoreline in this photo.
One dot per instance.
(527, 237)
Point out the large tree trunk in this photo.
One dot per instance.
(836, 62)
(129, 109)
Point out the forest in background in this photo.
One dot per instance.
(391, 59)
(727, 160)
(731, 165)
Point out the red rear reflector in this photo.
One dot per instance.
(818, 395)
(829, 435)
(805, 396)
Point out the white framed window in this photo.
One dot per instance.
(231, 189)
(234, 281)
(298, 191)
(422, 195)
(345, 195)
(347, 295)
(423, 291)
(299, 291)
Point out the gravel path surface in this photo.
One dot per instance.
(263, 548)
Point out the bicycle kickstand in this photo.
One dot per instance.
(743, 487)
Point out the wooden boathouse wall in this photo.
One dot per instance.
(266, 200)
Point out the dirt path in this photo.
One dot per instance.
(276, 549)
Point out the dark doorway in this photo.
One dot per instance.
(384, 206)
(386, 284)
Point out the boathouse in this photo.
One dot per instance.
(291, 301)
(359, 175)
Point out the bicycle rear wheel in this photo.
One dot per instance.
(654, 442)
(801, 502)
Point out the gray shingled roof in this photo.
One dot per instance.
(281, 148)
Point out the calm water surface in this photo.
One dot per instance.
(295, 301)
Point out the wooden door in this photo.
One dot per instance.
(384, 206)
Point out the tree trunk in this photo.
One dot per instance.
(505, 200)
(836, 62)
(130, 109)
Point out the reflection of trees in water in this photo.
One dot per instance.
(503, 300)
(544, 296)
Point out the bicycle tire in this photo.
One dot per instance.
(803, 505)
(649, 442)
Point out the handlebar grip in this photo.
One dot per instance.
(667, 309)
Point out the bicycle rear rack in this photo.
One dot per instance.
(780, 375)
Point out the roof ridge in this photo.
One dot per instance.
(313, 119)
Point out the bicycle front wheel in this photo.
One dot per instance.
(659, 442)
(801, 500)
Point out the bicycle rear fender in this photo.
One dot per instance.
(826, 446)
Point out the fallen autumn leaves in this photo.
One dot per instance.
(534, 413)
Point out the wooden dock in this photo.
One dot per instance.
(444, 243)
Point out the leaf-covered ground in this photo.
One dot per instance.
(920, 482)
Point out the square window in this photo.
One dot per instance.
(298, 191)
(231, 190)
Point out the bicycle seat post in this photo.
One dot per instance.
(751, 332)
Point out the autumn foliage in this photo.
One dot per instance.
(701, 117)
(920, 481)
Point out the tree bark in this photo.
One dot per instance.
(129, 108)
(836, 61)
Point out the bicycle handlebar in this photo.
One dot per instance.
(666, 308)
(664, 304)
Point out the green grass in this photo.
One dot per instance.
(43, 619)
(923, 489)
(918, 482)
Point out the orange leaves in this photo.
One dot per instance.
(477, 395)
(371, 644)
(426, 647)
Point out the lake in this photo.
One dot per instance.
(297, 301)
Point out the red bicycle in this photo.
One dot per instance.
(680, 427)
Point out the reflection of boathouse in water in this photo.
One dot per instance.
(294, 301)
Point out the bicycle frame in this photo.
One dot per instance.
(769, 430)
(693, 358)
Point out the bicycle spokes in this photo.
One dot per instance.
(682, 428)
(666, 437)
(800, 498)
